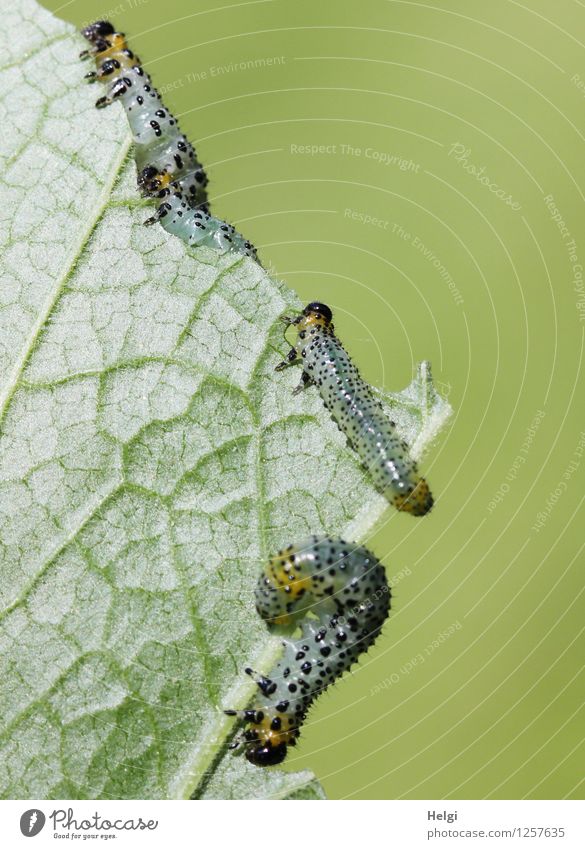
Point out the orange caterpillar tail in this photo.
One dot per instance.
(418, 502)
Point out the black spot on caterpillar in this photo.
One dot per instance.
(358, 414)
(166, 160)
(344, 588)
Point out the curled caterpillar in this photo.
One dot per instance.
(344, 589)
(358, 414)
(167, 164)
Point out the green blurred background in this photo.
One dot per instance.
(311, 117)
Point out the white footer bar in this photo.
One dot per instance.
(351, 824)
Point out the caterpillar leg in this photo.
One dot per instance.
(100, 34)
(165, 208)
(266, 685)
(160, 213)
(288, 360)
(116, 90)
(254, 716)
(100, 46)
(306, 380)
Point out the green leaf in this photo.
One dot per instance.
(150, 459)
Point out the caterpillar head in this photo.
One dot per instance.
(318, 313)
(265, 754)
(98, 30)
(151, 181)
(315, 315)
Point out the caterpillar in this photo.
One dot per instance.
(358, 414)
(344, 590)
(166, 161)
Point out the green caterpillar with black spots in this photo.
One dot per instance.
(349, 399)
(168, 168)
(343, 587)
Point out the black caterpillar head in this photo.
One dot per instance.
(319, 310)
(266, 754)
(99, 29)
